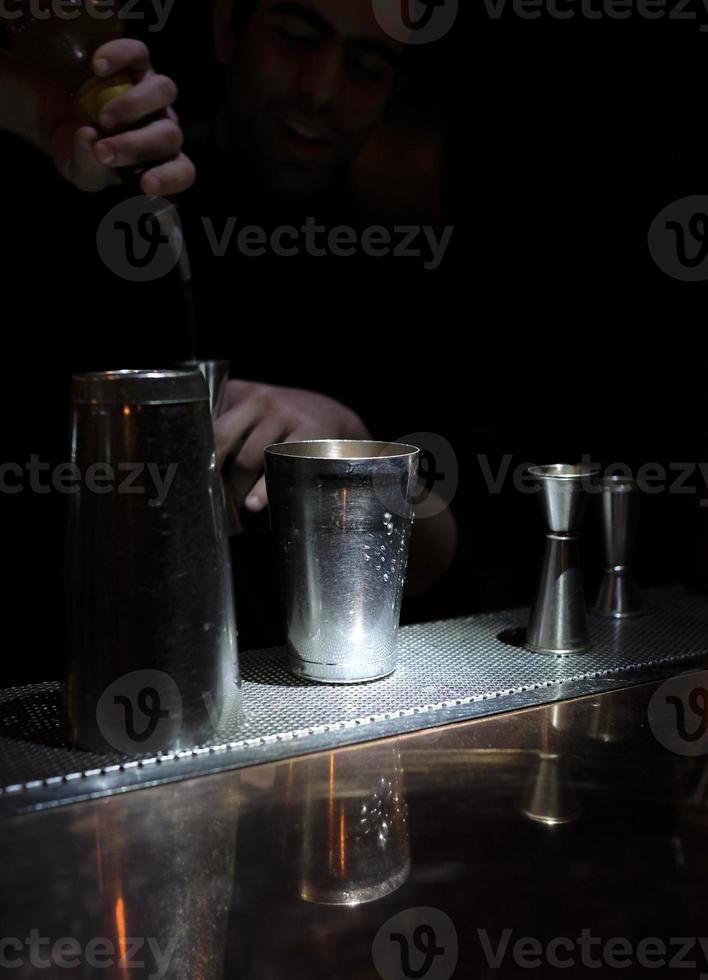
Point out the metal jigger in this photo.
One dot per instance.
(619, 594)
(550, 794)
(558, 621)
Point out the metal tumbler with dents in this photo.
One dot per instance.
(619, 595)
(558, 621)
(341, 514)
(152, 629)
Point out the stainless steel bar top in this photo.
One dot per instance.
(483, 842)
(449, 671)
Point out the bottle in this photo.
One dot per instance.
(59, 43)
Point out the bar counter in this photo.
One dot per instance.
(578, 827)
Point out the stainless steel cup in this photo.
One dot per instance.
(341, 514)
(152, 629)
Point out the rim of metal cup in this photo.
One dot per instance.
(341, 450)
(563, 471)
(148, 386)
(616, 483)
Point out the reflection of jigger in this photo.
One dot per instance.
(550, 795)
(601, 720)
(354, 846)
(558, 622)
(619, 595)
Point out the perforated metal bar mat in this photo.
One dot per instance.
(449, 671)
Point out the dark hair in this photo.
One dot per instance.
(242, 12)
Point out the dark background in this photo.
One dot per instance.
(547, 333)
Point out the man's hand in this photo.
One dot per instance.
(86, 156)
(259, 415)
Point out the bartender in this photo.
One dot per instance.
(43, 116)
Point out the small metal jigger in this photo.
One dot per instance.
(558, 621)
(550, 794)
(619, 595)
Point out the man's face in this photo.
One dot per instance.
(308, 82)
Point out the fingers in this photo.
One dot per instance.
(154, 94)
(231, 427)
(249, 463)
(169, 178)
(239, 391)
(72, 149)
(257, 499)
(74, 156)
(157, 141)
(124, 54)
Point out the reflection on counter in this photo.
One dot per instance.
(349, 826)
(550, 797)
(328, 866)
(142, 889)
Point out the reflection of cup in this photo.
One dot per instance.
(341, 554)
(151, 619)
(353, 833)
